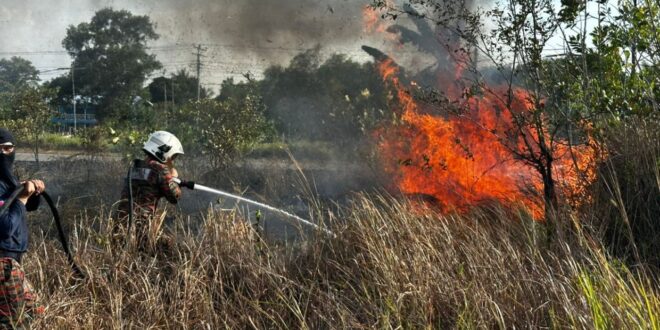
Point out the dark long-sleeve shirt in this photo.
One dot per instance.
(13, 225)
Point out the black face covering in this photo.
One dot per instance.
(7, 161)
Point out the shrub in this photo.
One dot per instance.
(223, 130)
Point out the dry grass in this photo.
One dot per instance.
(392, 265)
(627, 193)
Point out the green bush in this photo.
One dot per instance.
(57, 141)
(222, 130)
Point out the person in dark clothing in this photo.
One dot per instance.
(151, 179)
(18, 304)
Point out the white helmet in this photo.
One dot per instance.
(163, 146)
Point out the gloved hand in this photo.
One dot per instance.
(31, 187)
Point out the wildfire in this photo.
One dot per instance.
(475, 151)
(464, 159)
(372, 22)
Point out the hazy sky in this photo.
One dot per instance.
(240, 35)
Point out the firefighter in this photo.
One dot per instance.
(150, 180)
(18, 304)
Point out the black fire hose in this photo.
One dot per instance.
(58, 224)
(11, 199)
(62, 235)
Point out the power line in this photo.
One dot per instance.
(182, 47)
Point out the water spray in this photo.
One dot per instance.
(193, 186)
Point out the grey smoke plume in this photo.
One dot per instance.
(273, 30)
(254, 23)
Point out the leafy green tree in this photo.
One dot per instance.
(222, 129)
(64, 88)
(356, 98)
(29, 115)
(230, 88)
(619, 75)
(336, 100)
(16, 73)
(180, 88)
(110, 59)
(615, 86)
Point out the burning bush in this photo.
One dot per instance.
(480, 149)
(477, 140)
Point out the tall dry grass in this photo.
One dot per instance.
(393, 264)
(626, 205)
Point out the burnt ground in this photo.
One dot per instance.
(86, 187)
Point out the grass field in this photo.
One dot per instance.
(393, 264)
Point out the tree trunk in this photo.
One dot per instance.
(550, 200)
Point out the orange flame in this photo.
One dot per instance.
(465, 159)
(372, 23)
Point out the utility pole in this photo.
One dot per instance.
(164, 88)
(199, 67)
(73, 89)
(165, 92)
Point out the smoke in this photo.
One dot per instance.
(246, 34)
(426, 38)
(260, 25)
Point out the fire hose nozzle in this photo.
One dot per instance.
(188, 184)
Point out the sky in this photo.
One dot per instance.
(239, 36)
